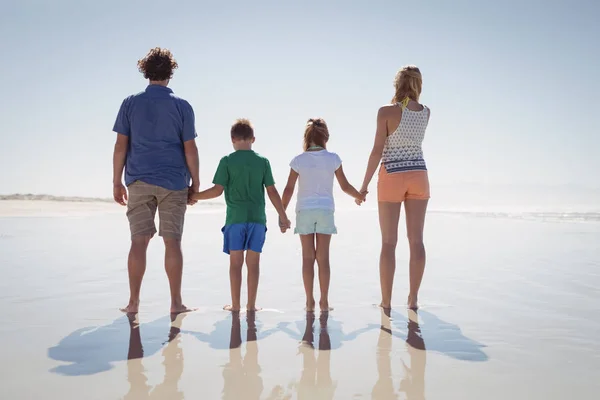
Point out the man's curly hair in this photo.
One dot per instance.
(158, 65)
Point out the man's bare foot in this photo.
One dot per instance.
(231, 308)
(181, 309)
(324, 306)
(386, 310)
(132, 308)
(412, 303)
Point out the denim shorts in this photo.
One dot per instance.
(245, 236)
(309, 222)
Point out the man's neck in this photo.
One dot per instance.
(160, 83)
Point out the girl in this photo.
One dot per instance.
(402, 179)
(315, 169)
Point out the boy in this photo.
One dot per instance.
(243, 176)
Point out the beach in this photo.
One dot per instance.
(509, 310)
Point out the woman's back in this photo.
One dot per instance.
(403, 147)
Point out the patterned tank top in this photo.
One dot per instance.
(403, 151)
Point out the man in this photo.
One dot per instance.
(156, 146)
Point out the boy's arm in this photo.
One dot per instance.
(288, 192)
(208, 194)
(347, 187)
(284, 222)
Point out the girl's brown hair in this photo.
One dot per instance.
(408, 84)
(316, 133)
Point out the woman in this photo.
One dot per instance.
(402, 179)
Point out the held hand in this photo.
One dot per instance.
(284, 224)
(363, 197)
(194, 188)
(120, 193)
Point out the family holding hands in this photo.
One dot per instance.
(156, 149)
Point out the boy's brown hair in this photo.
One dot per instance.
(242, 129)
(158, 65)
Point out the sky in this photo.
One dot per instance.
(512, 85)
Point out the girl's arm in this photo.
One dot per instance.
(380, 138)
(347, 187)
(288, 192)
(208, 194)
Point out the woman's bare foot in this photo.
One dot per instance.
(181, 309)
(132, 308)
(231, 308)
(324, 306)
(412, 303)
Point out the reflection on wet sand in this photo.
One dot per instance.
(173, 363)
(413, 382)
(241, 375)
(315, 382)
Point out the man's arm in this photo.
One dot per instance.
(208, 194)
(119, 158)
(193, 163)
(284, 222)
(288, 192)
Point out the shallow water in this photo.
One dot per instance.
(510, 309)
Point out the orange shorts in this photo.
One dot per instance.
(400, 186)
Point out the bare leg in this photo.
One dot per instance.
(323, 242)
(415, 221)
(174, 269)
(236, 262)
(136, 267)
(308, 268)
(389, 216)
(253, 264)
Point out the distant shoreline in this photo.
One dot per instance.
(67, 199)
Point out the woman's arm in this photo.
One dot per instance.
(347, 187)
(288, 192)
(375, 157)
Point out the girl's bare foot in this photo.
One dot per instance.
(181, 309)
(324, 306)
(310, 306)
(412, 303)
(231, 308)
(253, 309)
(132, 308)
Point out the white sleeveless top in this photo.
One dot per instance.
(403, 151)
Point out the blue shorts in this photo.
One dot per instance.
(320, 221)
(246, 236)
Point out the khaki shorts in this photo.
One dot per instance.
(144, 199)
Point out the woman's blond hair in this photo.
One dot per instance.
(316, 132)
(408, 84)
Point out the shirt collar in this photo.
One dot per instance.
(159, 87)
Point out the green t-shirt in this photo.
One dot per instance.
(244, 175)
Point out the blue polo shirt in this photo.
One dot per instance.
(157, 123)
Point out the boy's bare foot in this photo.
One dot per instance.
(231, 308)
(324, 306)
(132, 308)
(412, 303)
(181, 309)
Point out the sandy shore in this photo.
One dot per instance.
(509, 312)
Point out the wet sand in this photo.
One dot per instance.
(509, 311)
